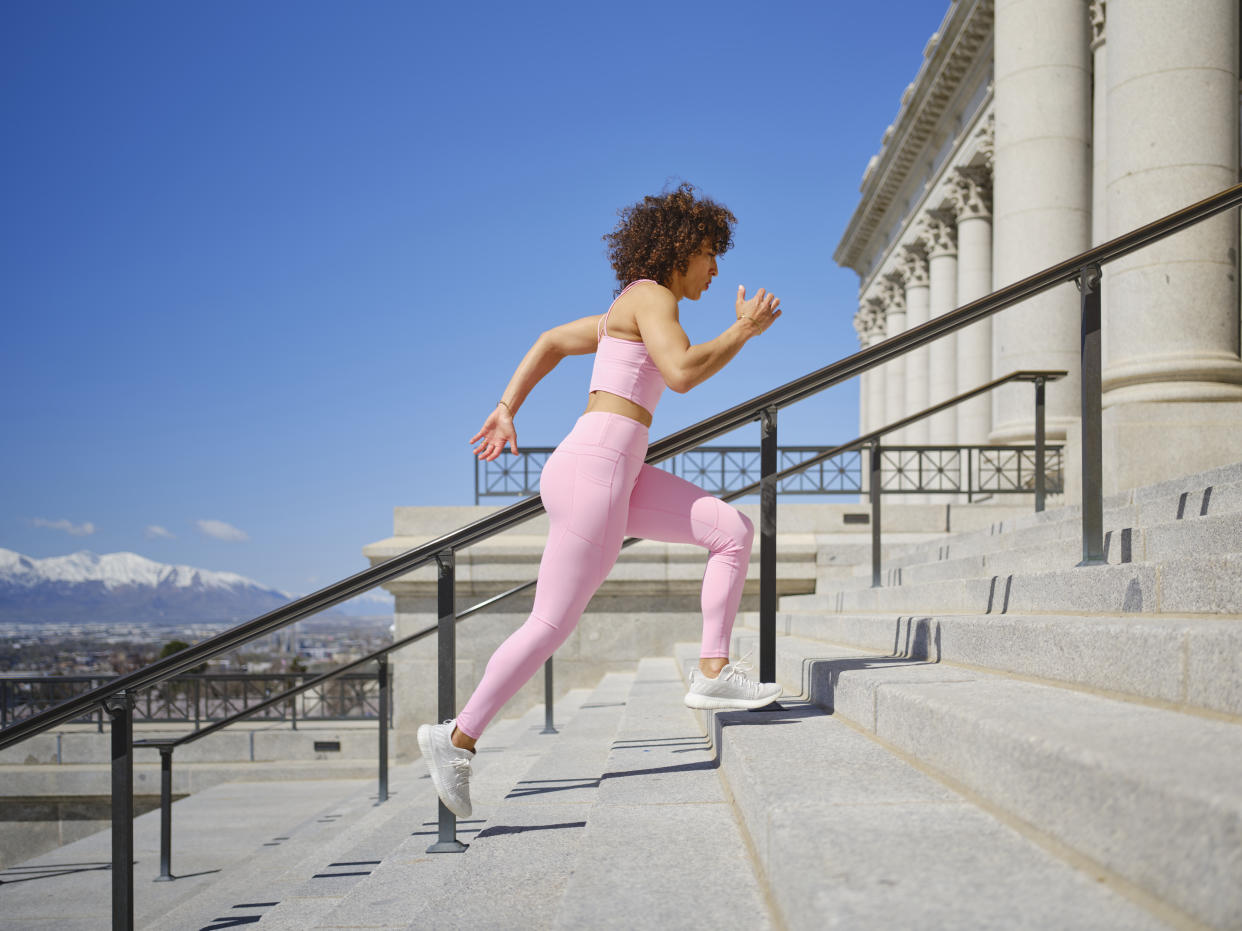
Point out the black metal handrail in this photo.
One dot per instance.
(725, 422)
(1084, 268)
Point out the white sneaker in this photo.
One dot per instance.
(449, 766)
(731, 689)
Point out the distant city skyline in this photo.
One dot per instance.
(267, 267)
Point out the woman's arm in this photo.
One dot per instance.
(568, 339)
(683, 365)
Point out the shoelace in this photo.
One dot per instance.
(738, 673)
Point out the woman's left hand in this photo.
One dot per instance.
(496, 431)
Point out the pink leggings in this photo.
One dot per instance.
(597, 490)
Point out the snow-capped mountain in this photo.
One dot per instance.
(125, 587)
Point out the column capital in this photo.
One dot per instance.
(972, 192)
(913, 264)
(1096, 14)
(940, 232)
(893, 293)
(869, 321)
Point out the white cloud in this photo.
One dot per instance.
(156, 532)
(219, 530)
(77, 530)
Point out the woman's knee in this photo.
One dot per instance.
(736, 530)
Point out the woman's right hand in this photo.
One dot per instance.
(759, 310)
(496, 431)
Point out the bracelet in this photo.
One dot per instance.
(506, 407)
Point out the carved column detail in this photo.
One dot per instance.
(940, 233)
(972, 193)
(892, 293)
(913, 265)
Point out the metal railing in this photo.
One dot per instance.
(199, 698)
(117, 697)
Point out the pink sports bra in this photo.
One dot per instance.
(623, 367)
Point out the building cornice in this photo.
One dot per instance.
(948, 59)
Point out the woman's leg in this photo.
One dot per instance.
(585, 491)
(665, 507)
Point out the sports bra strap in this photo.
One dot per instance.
(603, 323)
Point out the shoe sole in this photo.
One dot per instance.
(424, 745)
(708, 703)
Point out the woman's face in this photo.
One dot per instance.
(698, 275)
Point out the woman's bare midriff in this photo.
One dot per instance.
(615, 404)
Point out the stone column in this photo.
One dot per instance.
(1172, 374)
(861, 326)
(914, 274)
(1042, 200)
(972, 198)
(877, 388)
(941, 227)
(1099, 122)
(894, 297)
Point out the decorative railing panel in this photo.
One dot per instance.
(973, 471)
(201, 699)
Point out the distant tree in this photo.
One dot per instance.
(176, 646)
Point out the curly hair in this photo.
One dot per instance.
(659, 234)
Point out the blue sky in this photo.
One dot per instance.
(265, 266)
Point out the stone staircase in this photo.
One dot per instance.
(996, 739)
(1095, 711)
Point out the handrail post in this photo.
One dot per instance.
(447, 678)
(382, 676)
(1040, 481)
(767, 546)
(166, 754)
(548, 727)
(874, 490)
(120, 709)
(1092, 433)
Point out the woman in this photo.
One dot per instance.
(595, 486)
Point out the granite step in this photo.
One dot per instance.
(1188, 663)
(1179, 503)
(298, 890)
(250, 888)
(521, 839)
(1207, 536)
(1148, 796)
(71, 887)
(662, 846)
(320, 886)
(850, 835)
(1194, 585)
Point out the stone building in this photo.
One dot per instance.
(1034, 130)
